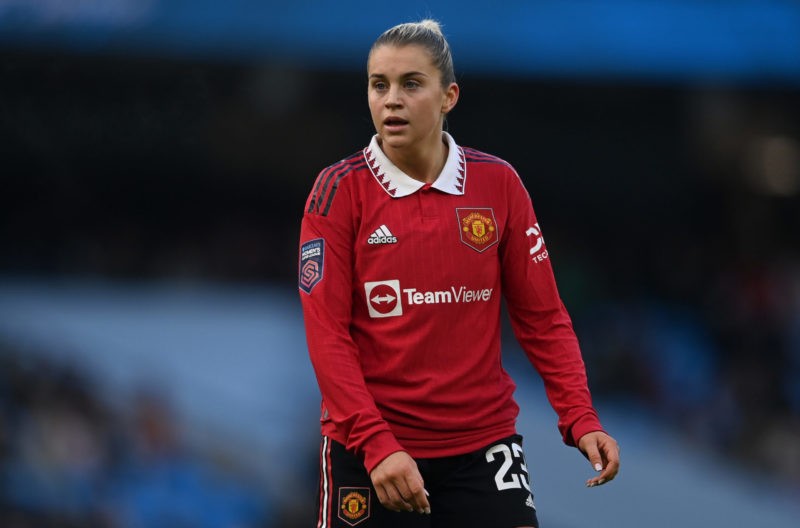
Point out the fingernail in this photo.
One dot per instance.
(428, 511)
(601, 481)
(598, 467)
(426, 492)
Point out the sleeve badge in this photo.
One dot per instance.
(312, 258)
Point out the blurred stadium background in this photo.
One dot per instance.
(156, 156)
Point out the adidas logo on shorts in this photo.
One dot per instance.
(382, 235)
(529, 502)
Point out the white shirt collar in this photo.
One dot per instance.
(397, 183)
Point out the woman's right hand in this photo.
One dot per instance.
(399, 484)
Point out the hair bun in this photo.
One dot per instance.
(431, 25)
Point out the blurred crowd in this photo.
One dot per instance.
(725, 371)
(68, 459)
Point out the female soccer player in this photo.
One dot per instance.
(406, 250)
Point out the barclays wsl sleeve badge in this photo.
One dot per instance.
(312, 256)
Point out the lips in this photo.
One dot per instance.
(394, 122)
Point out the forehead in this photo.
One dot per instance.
(391, 60)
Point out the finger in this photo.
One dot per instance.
(612, 463)
(610, 471)
(383, 498)
(610, 456)
(413, 489)
(387, 498)
(593, 454)
(421, 497)
(396, 500)
(606, 475)
(390, 500)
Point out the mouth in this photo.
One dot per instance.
(393, 123)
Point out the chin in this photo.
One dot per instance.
(394, 141)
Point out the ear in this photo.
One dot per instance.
(450, 98)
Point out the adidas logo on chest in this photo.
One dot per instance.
(382, 235)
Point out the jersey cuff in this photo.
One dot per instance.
(379, 447)
(585, 424)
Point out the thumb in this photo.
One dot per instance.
(593, 454)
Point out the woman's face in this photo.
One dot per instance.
(406, 97)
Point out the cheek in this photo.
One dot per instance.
(434, 107)
(374, 105)
(375, 113)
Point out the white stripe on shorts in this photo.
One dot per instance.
(324, 495)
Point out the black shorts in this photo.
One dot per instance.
(489, 487)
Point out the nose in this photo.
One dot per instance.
(393, 99)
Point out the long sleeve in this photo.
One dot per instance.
(326, 291)
(540, 321)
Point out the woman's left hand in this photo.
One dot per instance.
(603, 453)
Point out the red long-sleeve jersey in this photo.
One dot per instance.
(401, 285)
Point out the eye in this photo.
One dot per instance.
(411, 84)
(379, 86)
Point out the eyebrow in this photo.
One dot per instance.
(407, 74)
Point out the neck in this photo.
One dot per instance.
(423, 163)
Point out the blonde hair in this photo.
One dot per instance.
(428, 34)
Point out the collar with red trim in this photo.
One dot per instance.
(397, 183)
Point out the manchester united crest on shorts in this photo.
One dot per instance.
(354, 505)
(477, 227)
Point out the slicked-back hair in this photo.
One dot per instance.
(426, 34)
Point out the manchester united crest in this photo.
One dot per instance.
(354, 505)
(477, 227)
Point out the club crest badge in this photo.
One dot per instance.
(354, 505)
(312, 256)
(477, 227)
